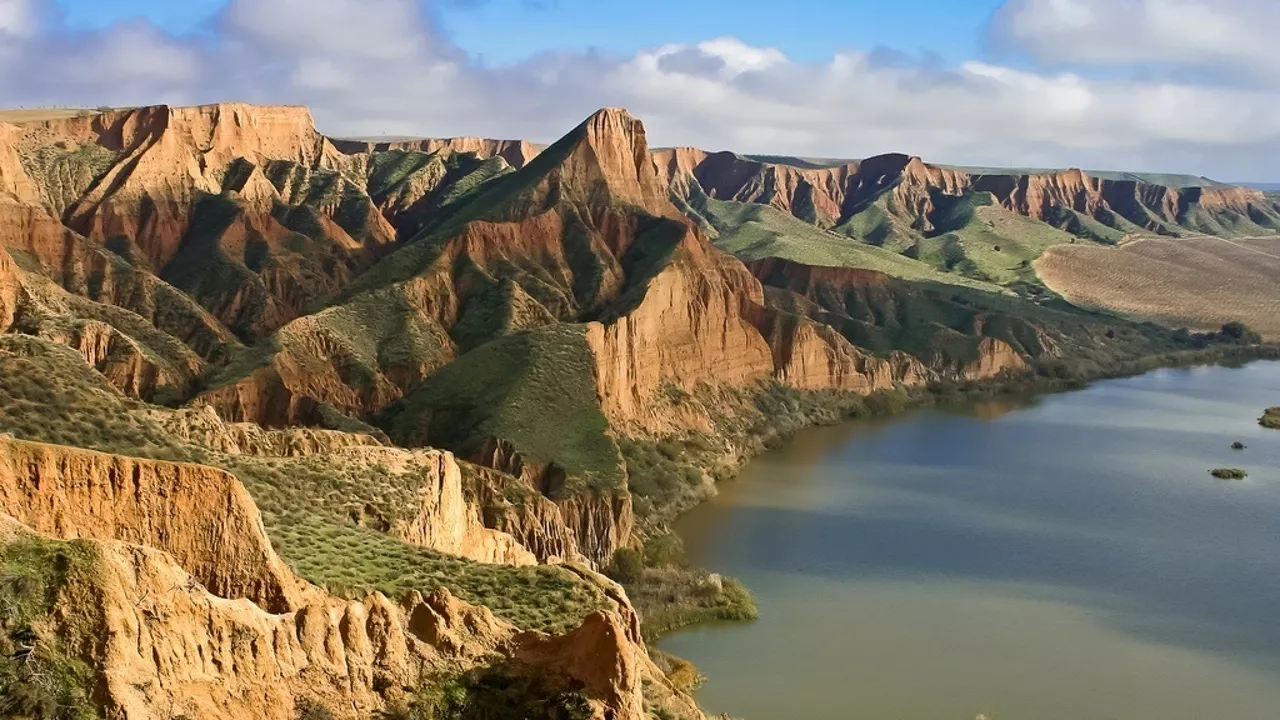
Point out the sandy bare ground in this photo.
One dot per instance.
(1197, 282)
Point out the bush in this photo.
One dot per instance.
(666, 550)
(627, 566)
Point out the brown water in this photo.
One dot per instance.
(1068, 557)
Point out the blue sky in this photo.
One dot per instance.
(504, 31)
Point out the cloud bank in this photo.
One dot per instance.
(1153, 85)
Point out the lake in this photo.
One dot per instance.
(1067, 556)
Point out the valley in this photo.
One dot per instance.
(364, 420)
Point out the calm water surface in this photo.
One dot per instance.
(1068, 557)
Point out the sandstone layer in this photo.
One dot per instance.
(258, 642)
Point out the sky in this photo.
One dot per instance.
(1145, 85)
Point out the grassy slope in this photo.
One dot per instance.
(535, 389)
(48, 394)
(752, 232)
(984, 241)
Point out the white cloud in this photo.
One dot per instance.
(377, 30)
(374, 67)
(17, 19)
(1234, 35)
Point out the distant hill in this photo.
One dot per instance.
(1268, 187)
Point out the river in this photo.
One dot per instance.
(1063, 557)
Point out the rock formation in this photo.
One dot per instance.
(831, 195)
(258, 642)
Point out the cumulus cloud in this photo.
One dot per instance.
(1234, 35)
(377, 67)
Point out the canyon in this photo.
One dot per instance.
(359, 419)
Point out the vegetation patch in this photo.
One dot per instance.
(38, 677)
(1270, 418)
(505, 691)
(535, 390)
(1229, 473)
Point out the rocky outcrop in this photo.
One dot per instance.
(586, 524)
(245, 208)
(995, 357)
(812, 356)
(446, 520)
(167, 157)
(517, 153)
(188, 511)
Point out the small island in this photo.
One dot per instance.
(1270, 418)
(1229, 474)
(1237, 445)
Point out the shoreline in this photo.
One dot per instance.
(1024, 385)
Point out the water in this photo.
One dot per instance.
(1065, 557)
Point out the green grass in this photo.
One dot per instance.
(876, 225)
(48, 394)
(39, 678)
(669, 599)
(535, 389)
(352, 561)
(981, 240)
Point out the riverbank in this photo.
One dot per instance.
(671, 594)
(1055, 556)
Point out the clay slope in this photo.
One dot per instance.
(161, 644)
(908, 190)
(246, 209)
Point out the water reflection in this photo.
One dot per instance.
(978, 546)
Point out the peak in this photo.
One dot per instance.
(615, 127)
(612, 112)
(605, 160)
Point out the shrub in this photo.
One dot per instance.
(627, 566)
(665, 550)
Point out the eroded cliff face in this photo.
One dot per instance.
(908, 188)
(691, 326)
(187, 511)
(240, 636)
(246, 209)
(447, 519)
